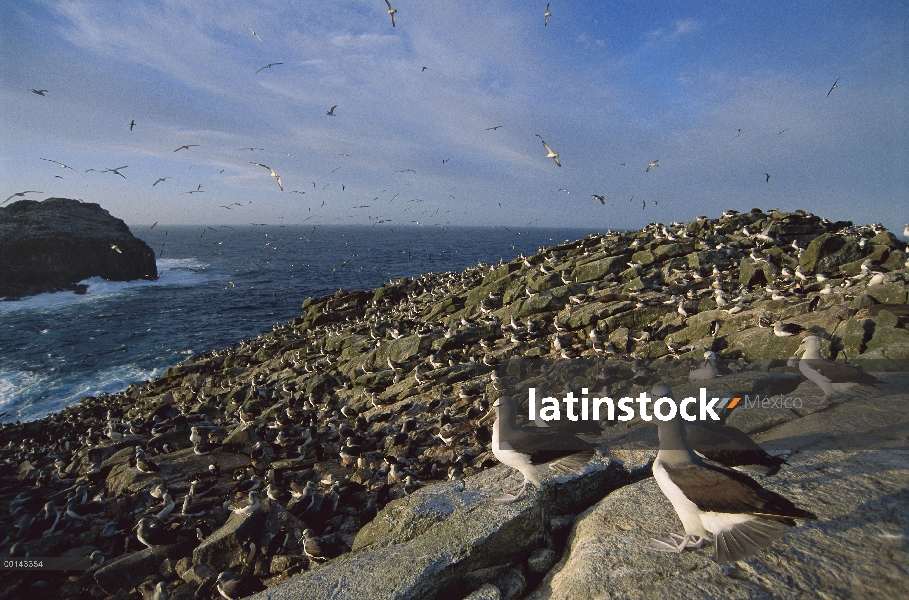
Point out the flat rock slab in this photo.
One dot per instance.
(459, 529)
(857, 548)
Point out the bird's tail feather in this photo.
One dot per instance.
(748, 538)
(571, 464)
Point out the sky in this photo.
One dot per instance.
(720, 93)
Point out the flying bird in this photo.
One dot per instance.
(331, 111)
(39, 92)
(546, 14)
(268, 66)
(493, 128)
(550, 154)
(253, 32)
(62, 166)
(767, 175)
(273, 174)
(423, 69)
(20, 195)
(132, 124)
(652, 165)
(832, 87)
(602, 199)
(186, 147)
(159, 180)
(117, 171)
(392, 12)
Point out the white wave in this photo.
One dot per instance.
(15, 386)
(26, 396)
(172, 272)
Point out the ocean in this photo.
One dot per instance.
(217, 286)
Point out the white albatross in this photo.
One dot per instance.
(744, 517)
(707, 371)
(534, 450)
(392, 12)
(273, 174)
(833, 378)
(550, 154)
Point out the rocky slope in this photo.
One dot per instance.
(52, 245)
(366, 424)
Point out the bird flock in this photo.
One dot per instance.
(394, 16)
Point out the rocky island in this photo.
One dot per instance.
(348, 453)
(52, 245)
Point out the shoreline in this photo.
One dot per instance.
(403, 374)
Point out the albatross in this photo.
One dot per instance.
(20, 195)
(273, 174)
(833, 378)
(550, 154)
(743, 517)
(392, 12)
(534, 450)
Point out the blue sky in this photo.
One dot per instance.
(719, 92)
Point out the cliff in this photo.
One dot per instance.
(52, 245)
(365, 423)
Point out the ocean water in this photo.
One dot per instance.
(216, 286)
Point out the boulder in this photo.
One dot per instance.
(421, 545)
(224, 549)
(861, 524)
(53, 245)
(828, 251)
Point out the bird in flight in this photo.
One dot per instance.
(117, 171)
(331, 111)
(392, 12)
(767, 175)
(273, 174)
(423, 69)
(493, 128)
(132, 124)
(652, 165)
(193, 192)
(20, 195)
(159, 180)
(783, 131)
(546, 14)
(39, 92)
(186, 147)
(602, 199)
(62, 166)
(550, 154)
(269, 66)
(832, 87)
(253, 32)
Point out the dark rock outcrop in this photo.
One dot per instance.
(52, 245)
